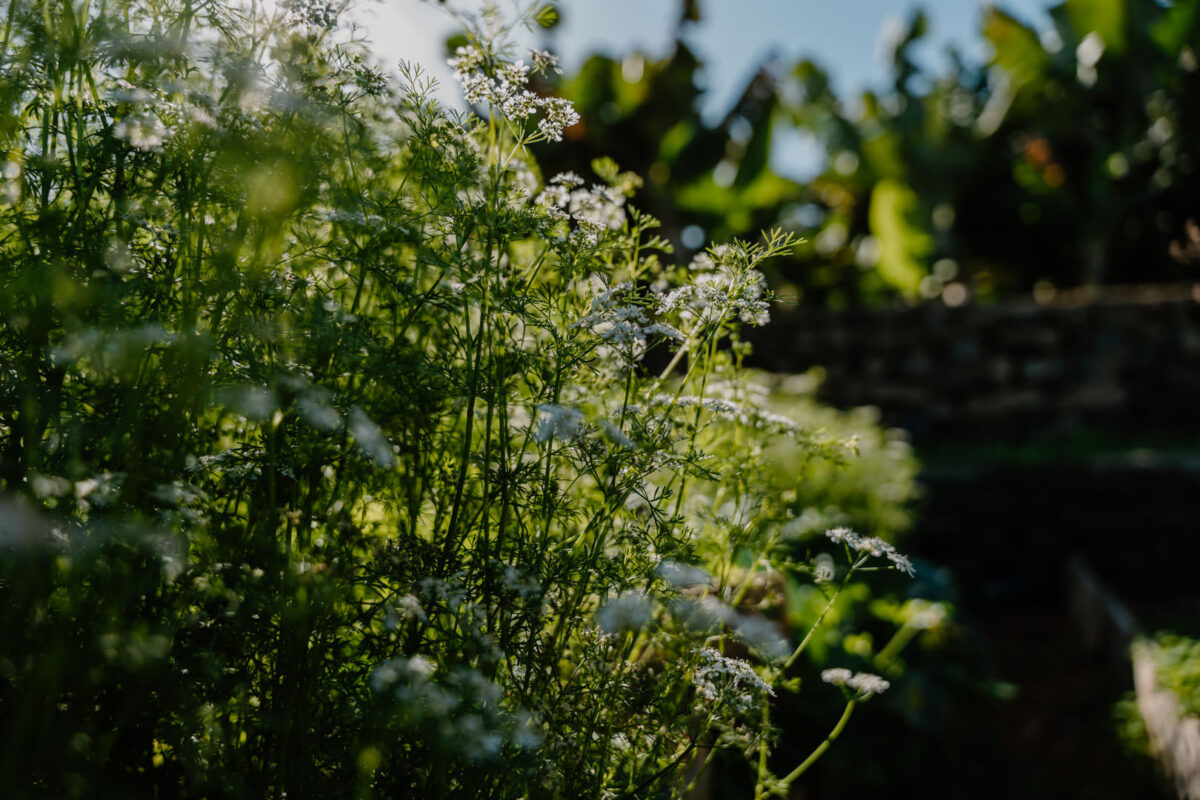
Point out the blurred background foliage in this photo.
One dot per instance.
(1065, 159)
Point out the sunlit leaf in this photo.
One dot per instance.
(1179, 25)
(1107, 18)
(547, 16)
(1016, 48)
(902, 244)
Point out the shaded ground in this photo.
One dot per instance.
(1054, 738)
(1007, 531)
(1060, 724)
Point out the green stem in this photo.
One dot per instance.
(892, 649)
(823, 746)
(700, 768)
(820, 618)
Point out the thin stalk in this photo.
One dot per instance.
(823, 746)
(820, 618)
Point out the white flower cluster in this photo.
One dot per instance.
(544, 61)
(316, 15)
(682, 575)
(628, 611)
(415, 669)
(436, 592)
(600, 207)
(463, 710)
(624, 327)
(724, 287)
(371, 80)
(616, 435)
(558, 422)
(729, 680)
(864, 684)
(407, 607)
(143, 131)
(506, 90)
(100, 489)
(519, 583)
(735, 412)
(708, 613)
(873, 545)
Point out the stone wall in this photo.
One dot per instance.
(1126, 356)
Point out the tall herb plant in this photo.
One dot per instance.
(345, 454)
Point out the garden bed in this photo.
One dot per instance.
(1013, 534)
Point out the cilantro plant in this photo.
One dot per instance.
(344, 454)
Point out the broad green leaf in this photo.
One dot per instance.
(902, 244)
(1178, 25)
(1107, 18)
(675, 139)
(1017, 49)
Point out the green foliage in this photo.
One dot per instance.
(1018, 51)
(1107, 18)
(1066, 158)
(343, 455)
(873, 489)
(1178, 659)
(902, 245)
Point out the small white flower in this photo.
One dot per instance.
(705, 614)
(370, 439)
(142, 131)
(520, 104)
(762, 635)
(416, 669)
(724, 286)
(544, 61)
(568, 179)
(410, 607)
(864, 684)
(503, 86)
(872, 545)
(729, 680)
(560, 114)
(681, 575)
(867, 684)
(628, 611)
(466, 59)
(836, 676)
(318, 15)
(623, 323)
(558, 422)
(616, 435)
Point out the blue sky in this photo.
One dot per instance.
(845, 36)
(848, 37)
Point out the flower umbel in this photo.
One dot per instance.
(864, 684)
(721, 679)
(502, 85)
(871, 545)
